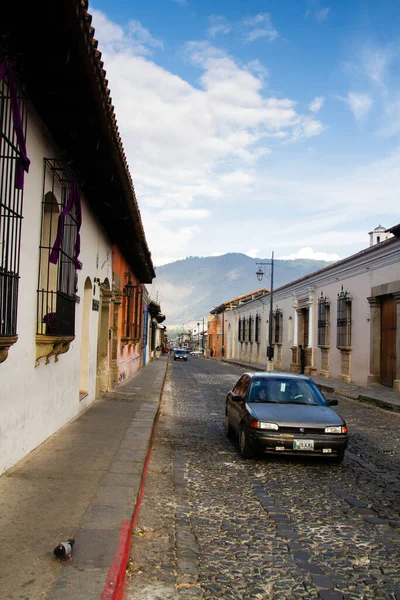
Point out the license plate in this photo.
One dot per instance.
(303, 445)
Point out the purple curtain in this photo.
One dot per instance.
(23, 161)
(74, 199)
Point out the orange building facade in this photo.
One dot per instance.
(127, 323)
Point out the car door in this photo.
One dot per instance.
(236, 409)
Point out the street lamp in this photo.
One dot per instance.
(260, 274)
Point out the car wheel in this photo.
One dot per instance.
(185, 359)
(245, 447)
(339, 457)
(228, 428)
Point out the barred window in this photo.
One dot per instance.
(240, 330)
(245, 330)
(344, 301)
(278, 326)
(323, 320)
(257, 329)
(132, 309)
(11, 198)
(57, 283)
(250, 328)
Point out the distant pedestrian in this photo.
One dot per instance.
(211, 352)
(302, 359)
(223, 352)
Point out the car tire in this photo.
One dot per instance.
(339, 457)
(228, 428)
(185, 359)
(245, 446)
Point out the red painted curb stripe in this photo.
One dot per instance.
(115, 581)
(114, 586)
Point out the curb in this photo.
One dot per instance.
(114, 586)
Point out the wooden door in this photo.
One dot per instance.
(305, 327)
(388, 341)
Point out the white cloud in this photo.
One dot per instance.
(259, 26)
(360, 104)
(237, 178)
(321, 15)
(193, 148)
(183, 215)
(253, 252)
(316, 12)
(133, 37)
(309, 253)
(316, 105)
(218, 24)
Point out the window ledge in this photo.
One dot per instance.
(129, 341)
(344, 348)
(5, 344)
(51, 345)
(324, 346)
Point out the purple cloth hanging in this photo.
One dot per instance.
(23, 161)
(74, 199)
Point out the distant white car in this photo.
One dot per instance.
(196, 353)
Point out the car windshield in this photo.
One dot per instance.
(285, 391)
(180, 352)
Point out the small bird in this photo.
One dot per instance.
(63, 550)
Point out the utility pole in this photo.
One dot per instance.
(260, 275)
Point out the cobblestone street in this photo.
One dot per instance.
(213, 525)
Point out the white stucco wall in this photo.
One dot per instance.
(357, 276)
(37, 401)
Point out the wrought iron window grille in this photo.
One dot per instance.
(278, 320)
(257, 329)
(245, 330)
(11, 205)
(323, 320)
(132, 309)
(57, 283)
(344, 302)
(251, 328)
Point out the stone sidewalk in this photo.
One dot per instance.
(83, 482)
(378, 395)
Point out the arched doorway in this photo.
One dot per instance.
(85, 339)
(105, 339)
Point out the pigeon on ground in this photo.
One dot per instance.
(63, 550)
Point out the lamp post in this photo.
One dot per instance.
(260, 275)
(128, 289)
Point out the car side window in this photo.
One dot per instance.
(246, 383)
(238, 387)
(242, 386)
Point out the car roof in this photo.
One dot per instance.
(271, 376)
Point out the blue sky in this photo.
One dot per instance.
(257, 126)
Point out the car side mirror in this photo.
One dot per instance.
(237, 398)
(332, 401)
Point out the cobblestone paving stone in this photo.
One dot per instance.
(215, 526)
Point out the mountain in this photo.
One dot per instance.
(188, 289)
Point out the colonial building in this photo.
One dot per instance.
(73, 253)
(220, 335)
(346, 316)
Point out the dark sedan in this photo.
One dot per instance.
(180, 354)
(284, 414)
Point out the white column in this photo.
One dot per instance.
(295, 304)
